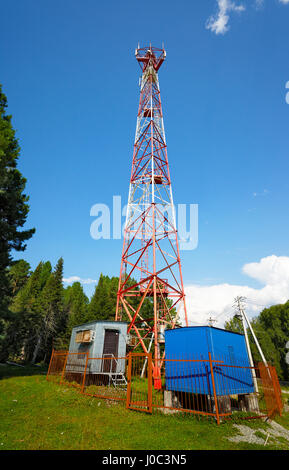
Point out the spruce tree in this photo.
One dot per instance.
(13, 203)
(24, 318)
(75, 311)
(76, 303)
(19, 273)
(52, 322)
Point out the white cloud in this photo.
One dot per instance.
(217, 300)
(71, 279)
(263, 193)
(272, 272)
(259, 3)
(219, 23)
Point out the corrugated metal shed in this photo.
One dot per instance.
(106, 339)
(195, 343)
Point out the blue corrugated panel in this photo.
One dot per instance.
(193, 343)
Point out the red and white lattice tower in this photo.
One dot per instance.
(150, 272)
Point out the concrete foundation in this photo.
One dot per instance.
(251, 403)
(248, 402)
(224, 404)
(170, 401)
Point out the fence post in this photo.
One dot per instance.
(214, 389)
(150, 382)
(50, 362)
(84, 375)
(128, 392)
(277, 391)
(64, 367)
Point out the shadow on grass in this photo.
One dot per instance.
(7, 370)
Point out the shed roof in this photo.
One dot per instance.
(100, 321)
(206, 326)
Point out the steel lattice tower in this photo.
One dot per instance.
(150, 272)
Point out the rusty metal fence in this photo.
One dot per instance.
(214, 388)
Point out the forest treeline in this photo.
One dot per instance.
(43, 312)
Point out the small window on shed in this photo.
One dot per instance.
(78, 338)
(84, 336)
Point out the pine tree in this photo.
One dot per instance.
(75, 311)
(76, 303)
(51, 314)
(103, 302)
(19, 273)
(13, 203)
(97, 309)
(25, 318)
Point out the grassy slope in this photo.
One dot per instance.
(36, 414)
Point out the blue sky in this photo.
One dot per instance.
(71, 79)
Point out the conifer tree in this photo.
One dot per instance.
(13, 203)
(24, 319)
(19, 273)
(52, 321)
(76, 303)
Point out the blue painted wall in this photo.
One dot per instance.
(196, 343)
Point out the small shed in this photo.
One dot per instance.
(196, 342)
(105, 342)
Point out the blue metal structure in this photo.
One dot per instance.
(195, 343)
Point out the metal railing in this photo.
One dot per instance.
(213, 387)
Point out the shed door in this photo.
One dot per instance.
(110, 350)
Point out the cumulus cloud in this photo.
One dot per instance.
(72, 279)
(219, 23)
(216, 300)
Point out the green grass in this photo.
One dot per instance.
(283, 420)
(36, 414)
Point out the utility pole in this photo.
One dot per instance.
(239, 304)
(211, 321)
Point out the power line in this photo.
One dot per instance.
(255, 303)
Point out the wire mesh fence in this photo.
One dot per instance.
(217, 387)
(106, 377)
(56, 366)
(67, 368)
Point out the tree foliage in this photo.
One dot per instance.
(43, 312)
(13, 202)
(271, 328)
(18, 272)
(234, 324)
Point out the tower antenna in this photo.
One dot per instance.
(150, 282)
